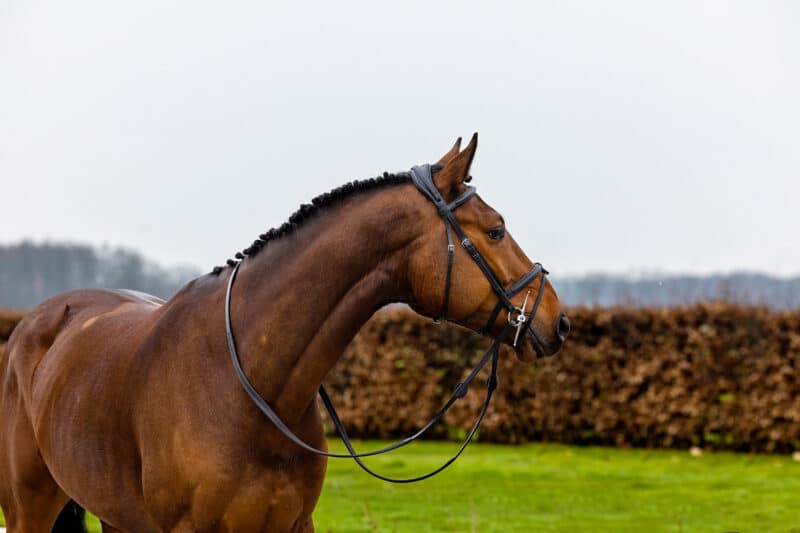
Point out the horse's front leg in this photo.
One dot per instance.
(306, 527)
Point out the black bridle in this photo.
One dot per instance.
(422, 176)
(518, 319)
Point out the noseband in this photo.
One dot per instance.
(518, 318)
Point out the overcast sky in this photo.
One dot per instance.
(614, 136)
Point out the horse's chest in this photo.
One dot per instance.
(219, 497)
(273, 503)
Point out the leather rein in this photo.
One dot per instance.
(518, 318)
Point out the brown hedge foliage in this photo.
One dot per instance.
(715, 375)
(8, 321)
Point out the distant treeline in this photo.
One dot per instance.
(30, 273)
(679, 290)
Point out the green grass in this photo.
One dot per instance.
(563, 488)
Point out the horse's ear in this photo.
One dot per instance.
(456, 170)
(446, 158)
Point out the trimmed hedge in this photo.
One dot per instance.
(714, 375)
(8, 321)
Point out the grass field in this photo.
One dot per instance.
(563, 488)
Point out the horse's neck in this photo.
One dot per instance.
(298, 303)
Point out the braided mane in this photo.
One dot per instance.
(307, 211)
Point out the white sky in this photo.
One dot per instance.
(615, 136)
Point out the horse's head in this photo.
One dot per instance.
(467, 295)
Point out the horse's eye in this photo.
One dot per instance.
(496, 234)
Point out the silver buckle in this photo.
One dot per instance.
(520, 319)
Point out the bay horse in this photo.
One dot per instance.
(127, 405)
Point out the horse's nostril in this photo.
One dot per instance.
(562, 327)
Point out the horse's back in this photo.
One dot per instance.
(67, 314)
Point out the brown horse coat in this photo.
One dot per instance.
(129, 405)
